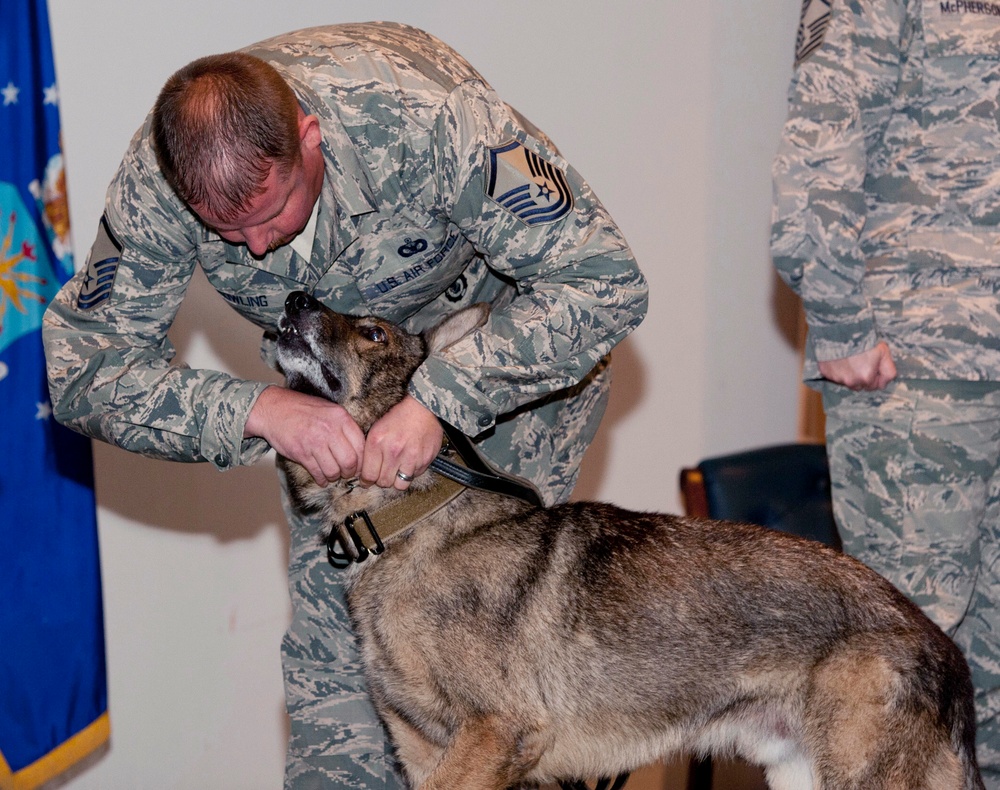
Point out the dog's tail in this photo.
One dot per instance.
(961, 720)
(957, 708)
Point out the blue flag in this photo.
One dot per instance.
(53, 692)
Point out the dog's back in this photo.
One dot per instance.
(507, 643)
(624, 637)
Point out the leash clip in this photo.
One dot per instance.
(343, 559)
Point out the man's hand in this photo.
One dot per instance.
(313, 432)
(406, 439)
(869, 370)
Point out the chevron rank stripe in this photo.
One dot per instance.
(532, 189)
(101, 269)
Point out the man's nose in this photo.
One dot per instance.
(257, 240)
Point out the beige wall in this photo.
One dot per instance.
(672, 112)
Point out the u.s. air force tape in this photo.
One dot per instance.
(102, 266)
(533, 190)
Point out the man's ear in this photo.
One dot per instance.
(310, 135)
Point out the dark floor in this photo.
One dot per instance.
(729, 775)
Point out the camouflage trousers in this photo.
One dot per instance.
(915, 471)
(336, 739)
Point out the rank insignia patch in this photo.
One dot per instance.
(533, 190)
(813, 23)
(102, 266)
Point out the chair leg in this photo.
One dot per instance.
(700, 774)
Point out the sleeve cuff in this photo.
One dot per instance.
(222, 441)
(837, 341)
(461, 403)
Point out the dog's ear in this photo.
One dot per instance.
(457, 326)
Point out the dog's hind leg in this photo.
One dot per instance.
(485, 754)
(874, 728)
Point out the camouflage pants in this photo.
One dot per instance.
(336, 739)
(916, 489)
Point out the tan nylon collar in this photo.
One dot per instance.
(402, 513)
(457, 467)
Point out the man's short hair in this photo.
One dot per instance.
(219, 124)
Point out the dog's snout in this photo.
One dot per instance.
(298, 301)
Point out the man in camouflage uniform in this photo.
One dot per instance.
(414, 191)
(887, 203)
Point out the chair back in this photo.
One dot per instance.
(785, 487)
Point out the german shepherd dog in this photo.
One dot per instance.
(507, 644)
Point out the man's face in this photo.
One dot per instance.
(275, 216)
(281, 210)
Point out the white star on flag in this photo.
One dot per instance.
(51, 95)
(10, 94)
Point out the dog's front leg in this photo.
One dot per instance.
(417, 754)
(485, 754)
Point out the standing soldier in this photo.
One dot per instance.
(372, 167)
(887, 204)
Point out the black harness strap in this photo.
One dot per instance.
(475, 473)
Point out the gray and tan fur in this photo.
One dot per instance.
(508, 644)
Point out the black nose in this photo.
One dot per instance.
(297, 301)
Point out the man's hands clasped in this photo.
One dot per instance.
(323, 438)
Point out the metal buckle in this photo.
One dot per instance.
(343, 559)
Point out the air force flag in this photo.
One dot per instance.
(53, 694)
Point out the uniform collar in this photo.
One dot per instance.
(303, 242)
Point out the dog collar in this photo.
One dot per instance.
(385, 522)
(456, 471)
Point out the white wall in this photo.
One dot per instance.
(671, 110)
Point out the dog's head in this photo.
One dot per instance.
(362, 363)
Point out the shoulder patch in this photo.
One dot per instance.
(102, 266)
(533, 190)
(813, 23)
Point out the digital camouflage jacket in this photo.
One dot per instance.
(887, 184)
(436, 195)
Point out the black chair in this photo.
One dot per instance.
(784, 487)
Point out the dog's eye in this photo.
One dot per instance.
(374, 333)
